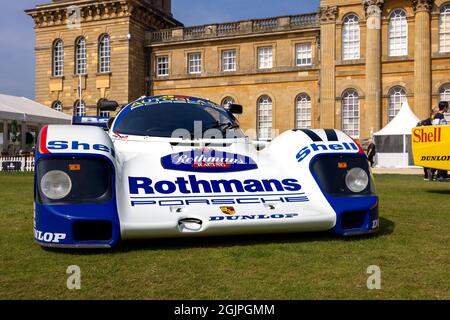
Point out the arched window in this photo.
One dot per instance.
(79, 109)
(227, 101)
(104, 52)
(397, 95)
(101, 113)
(350, 113)
(80, 56)
(444, 29)
(350, 38)
(264, 118)
(58, 58)
(57, 105)
(303, 112)
(398, 33)
(444, 94)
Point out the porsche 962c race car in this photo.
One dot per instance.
(176, 166)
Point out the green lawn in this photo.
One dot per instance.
(412, 249)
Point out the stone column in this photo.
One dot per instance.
(422, 58)
(371, 114)
(327, 88)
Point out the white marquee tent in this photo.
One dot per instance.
(393, 142)
(29, 115)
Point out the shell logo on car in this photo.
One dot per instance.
(431, 147)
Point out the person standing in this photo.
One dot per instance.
(439, 120)
(429, 174)
(371, 152)
(439, 117)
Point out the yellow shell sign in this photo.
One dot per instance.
(431, 147)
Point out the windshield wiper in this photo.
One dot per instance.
(222, 126)
(229, 125)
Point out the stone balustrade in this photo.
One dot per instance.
(302, 21)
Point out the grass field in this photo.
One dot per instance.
(412, 250)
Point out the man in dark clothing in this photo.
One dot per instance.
(439, 120)
(428, 173)
(371, 152)
(439, 117)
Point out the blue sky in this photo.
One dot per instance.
(17, 35)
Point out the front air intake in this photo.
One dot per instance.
(353, 220)
(92, 231)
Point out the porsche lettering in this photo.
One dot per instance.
(178, 201)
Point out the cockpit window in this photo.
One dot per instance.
(161, 120)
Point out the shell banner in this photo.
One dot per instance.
(431, 147)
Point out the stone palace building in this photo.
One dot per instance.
(349, 66)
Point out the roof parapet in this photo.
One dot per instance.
(245, 27)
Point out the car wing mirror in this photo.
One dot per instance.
(107, 105)
(235, 108)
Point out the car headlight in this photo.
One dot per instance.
(56, 184)
(356, 180)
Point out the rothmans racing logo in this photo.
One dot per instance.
(206, 160)
(192, 185)
(190, 190)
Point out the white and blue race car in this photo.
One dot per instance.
(177, 166)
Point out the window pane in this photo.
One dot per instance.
(444, 29)
(105, 54)
(57, 105)
(350, 113)
(445, 96)
(80, 59)
(264, 125)
(80, 109)
(162, 66)
(227, 101)
(58, 59)
(398, 34)
(195, 63)
(351, 38)
(397, 96)
(303, 112)
(229, 60)
(304, 54)
(265, 58)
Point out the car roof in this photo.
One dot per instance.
(148, 101)
(161, 99)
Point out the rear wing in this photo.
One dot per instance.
(101, 122)
(431, 147)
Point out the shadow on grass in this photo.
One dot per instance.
(386, 228)
(445, 192)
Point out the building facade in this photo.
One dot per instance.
(348, 66)
(89, 50)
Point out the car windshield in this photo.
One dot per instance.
(161, 120)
